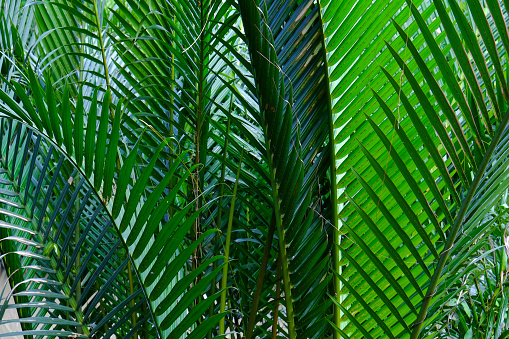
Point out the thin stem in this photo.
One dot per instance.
(103, 309)
(200, 118)
(282, 247)
(131, 291)
(224, 279)
(276, 298)
(261, 278)
(78, 264)
(172, 98)
(220, 206)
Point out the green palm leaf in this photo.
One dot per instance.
(72, 260)
(329, 168)
(295, 130)
(412, 250)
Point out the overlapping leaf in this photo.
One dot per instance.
(426, 156)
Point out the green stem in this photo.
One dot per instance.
(78, 264)
(131, 290)
(265, 66)
(276, 298)
(224, 278)
(457, 225)
(200, 119)
(220, 205)
(261, 278)
(282, 245)
(172, 98)
(103, 310)
(146, 325)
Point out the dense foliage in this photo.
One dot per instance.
(298, 168)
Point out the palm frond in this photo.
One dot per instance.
(73, 261)
(403, 227)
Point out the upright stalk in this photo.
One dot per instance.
(131, 291)
(282, 245)
(261, 278)
(220, 206)
(264, 61)
(200, 117)
(172, 91)
(224, 279)
(103, 310)
(146, 325)
(275, 319)
(78, 264)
